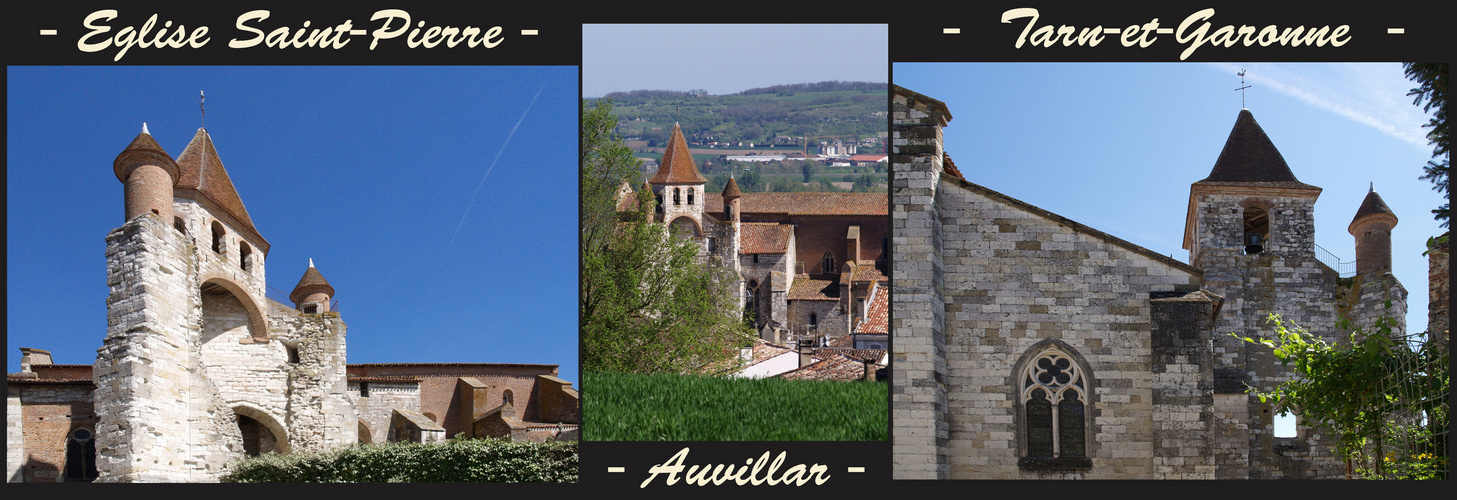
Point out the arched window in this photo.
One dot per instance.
(827, 263)
(1053, 395)
(690, 195)
(814, 320)
(507, 397)
(80, 455)
(749, 303)
(676, 199)
(217, 237)
(245, 254)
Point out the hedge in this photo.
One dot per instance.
(460, 460)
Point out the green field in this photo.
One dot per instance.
(635, 407)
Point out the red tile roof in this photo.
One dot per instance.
(311, 282)
(835, 367)
(809, 289)
(808, 203)
(203, 173)
(876, 316)
(950, 168)
(1373, 205)
(764, 237)
(677, 165)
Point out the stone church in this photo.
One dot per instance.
(810, 266)
(1027, 345)
(198, 367)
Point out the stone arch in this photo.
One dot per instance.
(215, 283)
(1076, 393)
(265, 421)
(684, 223)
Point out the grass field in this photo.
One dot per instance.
(634, 407)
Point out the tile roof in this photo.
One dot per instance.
(764, 351)
(865, 271)
(311, 282)
(835, 367)
(764, 237)
(1250, 157)
(143, 144)
(731, 190)
(677, 165)
(1373, 205)
(871, 355)
(949, 167)
(811, 289)
(203, 173)
(808, 203)
(877, 314)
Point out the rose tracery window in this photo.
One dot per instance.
(1054, 397)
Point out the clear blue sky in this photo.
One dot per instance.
(379, 174)
(1116, 146)
(728, 58)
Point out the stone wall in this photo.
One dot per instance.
(376, 409)
(919, 384)
(1016, 276)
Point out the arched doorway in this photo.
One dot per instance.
(261, 432)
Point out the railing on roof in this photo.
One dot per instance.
(1344, 269)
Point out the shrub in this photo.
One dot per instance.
(460, 460)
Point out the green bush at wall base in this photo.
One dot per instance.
(460, 460)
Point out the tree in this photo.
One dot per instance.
(809, 168)
(650, 302)
(1385, 401)
(1431, 87)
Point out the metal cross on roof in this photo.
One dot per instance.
(202, 98)
(1242, 88)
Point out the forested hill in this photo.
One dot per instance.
(782, 114)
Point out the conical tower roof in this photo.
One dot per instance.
(1249, 157)
(677, 166)
(143, 144)
(311, 282)
(203, 172)
(731, 190)
(1372, 206)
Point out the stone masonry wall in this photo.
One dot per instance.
(376, 409)
(142, 371)
(1183, 386)
(918, 390)
(1014, 278)
(1285, 279)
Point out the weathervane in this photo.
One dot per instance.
(202, 98)
(1242, 88)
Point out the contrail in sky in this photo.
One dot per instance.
(478, 190)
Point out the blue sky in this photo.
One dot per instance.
(728, 58)
(440, 202)
(1116, 146)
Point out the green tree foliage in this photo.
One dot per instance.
(461, 460)
(1367, 391)
(650, 302)
(1431, 79)
(809, 168)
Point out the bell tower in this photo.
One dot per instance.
(679, 187)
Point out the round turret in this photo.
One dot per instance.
(312, 293)
(148, 174)
(1372, 229)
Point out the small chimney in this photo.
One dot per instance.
(806, 352)
(31, 356)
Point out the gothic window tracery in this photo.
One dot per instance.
(1054, 397)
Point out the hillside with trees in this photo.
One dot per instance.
(777, 120)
